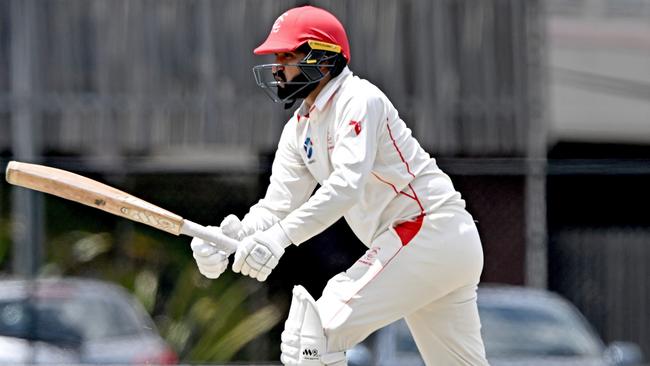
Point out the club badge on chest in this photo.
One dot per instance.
(308, 146)
(314, 152)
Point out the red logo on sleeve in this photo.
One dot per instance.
(357, 126)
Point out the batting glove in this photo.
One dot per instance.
(211, 261)
(232, 227)
(258, 254)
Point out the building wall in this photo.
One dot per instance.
(599, 134)
(599, 59)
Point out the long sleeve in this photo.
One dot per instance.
(352, 159)
(290, 186)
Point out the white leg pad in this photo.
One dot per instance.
(303, 338)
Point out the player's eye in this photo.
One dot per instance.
(285, 56)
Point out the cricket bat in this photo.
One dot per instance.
(92, 193)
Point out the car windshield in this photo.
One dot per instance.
(510, 331)
(65, 320)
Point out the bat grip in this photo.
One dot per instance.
(215, 237)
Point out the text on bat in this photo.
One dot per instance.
(147, 218)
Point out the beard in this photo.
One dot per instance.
(299, 90)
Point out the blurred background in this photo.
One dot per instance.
(539, 110)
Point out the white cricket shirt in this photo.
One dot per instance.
(371, 170)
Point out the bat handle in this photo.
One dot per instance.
(213, 236)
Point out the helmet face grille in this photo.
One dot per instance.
(285, 91)
(281, 91)
(324, 57)
(319, 56)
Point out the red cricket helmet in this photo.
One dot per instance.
(300, 25)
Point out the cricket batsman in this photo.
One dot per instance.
(424, 256)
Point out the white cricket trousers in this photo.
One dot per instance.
(425, 271)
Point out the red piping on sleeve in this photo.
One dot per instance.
(408, 168)
(413, 197)
(384, 181)
(390, 133)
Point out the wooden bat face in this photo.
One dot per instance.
(92, 193)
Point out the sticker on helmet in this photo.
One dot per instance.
(324, 46)
(278, 23)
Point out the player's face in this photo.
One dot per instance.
(287, 73)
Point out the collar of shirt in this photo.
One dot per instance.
(326, 93)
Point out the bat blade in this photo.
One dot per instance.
(78, 188)
(92, 193)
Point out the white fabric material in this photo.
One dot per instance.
(232, 227)
(371, 170)
(431, 282)
(258, 254)
(211, 261)
(303, 339)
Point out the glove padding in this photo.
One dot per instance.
(258, 254)
(211, 261)
(232, 227)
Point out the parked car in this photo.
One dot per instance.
(76, 321)
(520, 326)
